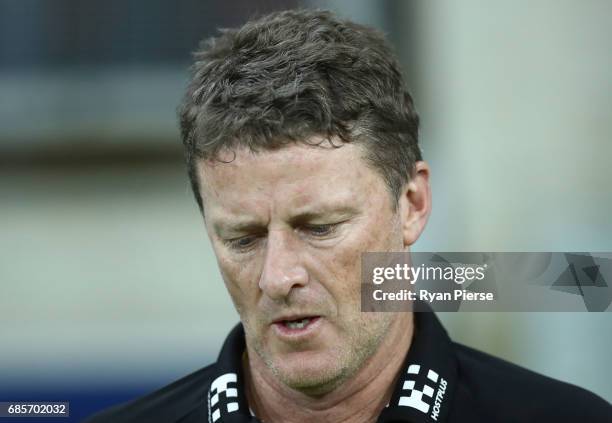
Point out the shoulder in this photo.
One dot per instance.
(183, 400)
(507, 392)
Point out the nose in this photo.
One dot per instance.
(282, 269)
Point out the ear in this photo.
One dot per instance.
(415, 204)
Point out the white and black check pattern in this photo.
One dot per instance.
(419, 399)
(222, 397)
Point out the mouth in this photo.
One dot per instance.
(297, 326)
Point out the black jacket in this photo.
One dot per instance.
(441, 381)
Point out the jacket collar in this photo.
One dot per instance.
(425, 387)
(423, 392)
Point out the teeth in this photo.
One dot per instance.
(297, 324)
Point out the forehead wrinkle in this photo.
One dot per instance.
(239, 213)
(287, 178)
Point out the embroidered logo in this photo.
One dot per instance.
(421, 397)
(221, 394)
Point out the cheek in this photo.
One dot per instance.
(241, 282)
(385, 232)
(342, 266)
(339, 270)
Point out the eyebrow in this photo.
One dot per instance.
(323, 213)
(242, 227)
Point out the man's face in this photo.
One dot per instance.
(288, 228)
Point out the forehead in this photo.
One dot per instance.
(297, 175)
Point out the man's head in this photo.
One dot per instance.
(293, 75)
(297, 128)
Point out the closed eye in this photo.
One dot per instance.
(247, 242)
(243, 243)
(321, 231)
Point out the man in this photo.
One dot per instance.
(301, 144)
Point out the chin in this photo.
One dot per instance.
(312, 382)
(311, 373)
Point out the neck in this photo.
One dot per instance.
(360, 399)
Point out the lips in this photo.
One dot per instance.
(295, 319)
(296, 325)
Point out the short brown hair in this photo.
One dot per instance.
(292, 75)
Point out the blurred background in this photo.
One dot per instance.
(108, 285)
